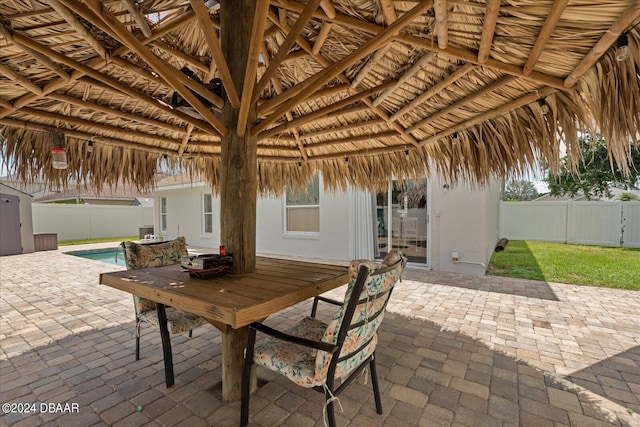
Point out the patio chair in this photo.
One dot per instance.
(170, 320)
(314, 354)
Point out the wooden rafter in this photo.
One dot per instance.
(352, 139)
(259, 21)
(452, 52)
(185, 140)
(288, 42)
(450, 79)
(504, 109)
(345, 128)
(322, 37)
(269, 106)
(323, 77)
(202, 14)
(543, 37)
(323, 111)
(139, 17)
(20, 79)
(440, 9)
(168, 73)
(610, 37)
(471, 57)
(179, 54)
(464, 101)
(412, 71)
(47, 63)
(77, 26)
(488, 29)
(388, 11)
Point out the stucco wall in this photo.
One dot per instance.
(464, 220)
(184, 218)
(26, 218)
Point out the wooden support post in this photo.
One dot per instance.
(239, 167)
(233, 345)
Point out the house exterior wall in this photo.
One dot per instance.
(26, 218)
(184, 218)
(461, 219)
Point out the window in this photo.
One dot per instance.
(163, 214)
(207, 214)
(303, 208)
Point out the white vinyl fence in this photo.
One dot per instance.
(79, 222)
(585, 223)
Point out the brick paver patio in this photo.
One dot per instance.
(454, 350)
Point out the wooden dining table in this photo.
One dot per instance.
(232, 301)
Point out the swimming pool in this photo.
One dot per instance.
(108, 255)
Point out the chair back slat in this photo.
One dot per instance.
(354, 327)
(156, 254)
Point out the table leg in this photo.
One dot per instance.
(234, 342)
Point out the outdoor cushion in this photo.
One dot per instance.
(177, 321)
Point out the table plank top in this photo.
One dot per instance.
(233, 299)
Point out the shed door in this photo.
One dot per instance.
(10, 242)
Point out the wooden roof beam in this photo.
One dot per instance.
(323, 77)
(345, 128)
(185, 140)
(440, 9)
(504, 109)
(488, 30)
(388, 11)
(441, 85)
(168, 73)
(42, 58)
(610, 37)
(78, 27)
(322, 37)
(20, 79)
(471, 57)
(139, 17)
(464, 101)
(283, 50)
(352, 139)
(415, 68)
(250, 74)
(180, 54)
(202, 14)
(322, 111)
(543, 37)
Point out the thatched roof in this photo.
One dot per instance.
(357, 90)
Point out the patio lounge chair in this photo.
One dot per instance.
(314, 354)
(170, 320)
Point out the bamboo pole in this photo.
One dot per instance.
(488, 29)
(610, 37)
(321, 78)
(202, 14)
(543, 37)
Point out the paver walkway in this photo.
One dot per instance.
(454, 350)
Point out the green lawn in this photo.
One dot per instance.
(576, 264)
(105, 239)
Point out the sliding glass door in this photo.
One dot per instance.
(401, 218)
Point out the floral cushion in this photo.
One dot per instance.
(308, 367)
(152, 255)
(177, 321)
(294, 361)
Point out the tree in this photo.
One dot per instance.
(520, 190)
(595, 174)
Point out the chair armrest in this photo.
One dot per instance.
(330, 348)
(329, 300)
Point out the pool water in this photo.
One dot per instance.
(108, 255)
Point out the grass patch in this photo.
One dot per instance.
(577, 264)
(100, 240)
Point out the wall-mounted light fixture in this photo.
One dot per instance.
(445, 187)
(622, 47)
(89, 146)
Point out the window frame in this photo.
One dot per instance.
(164, 224)
(286, 207)
(206, 214)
